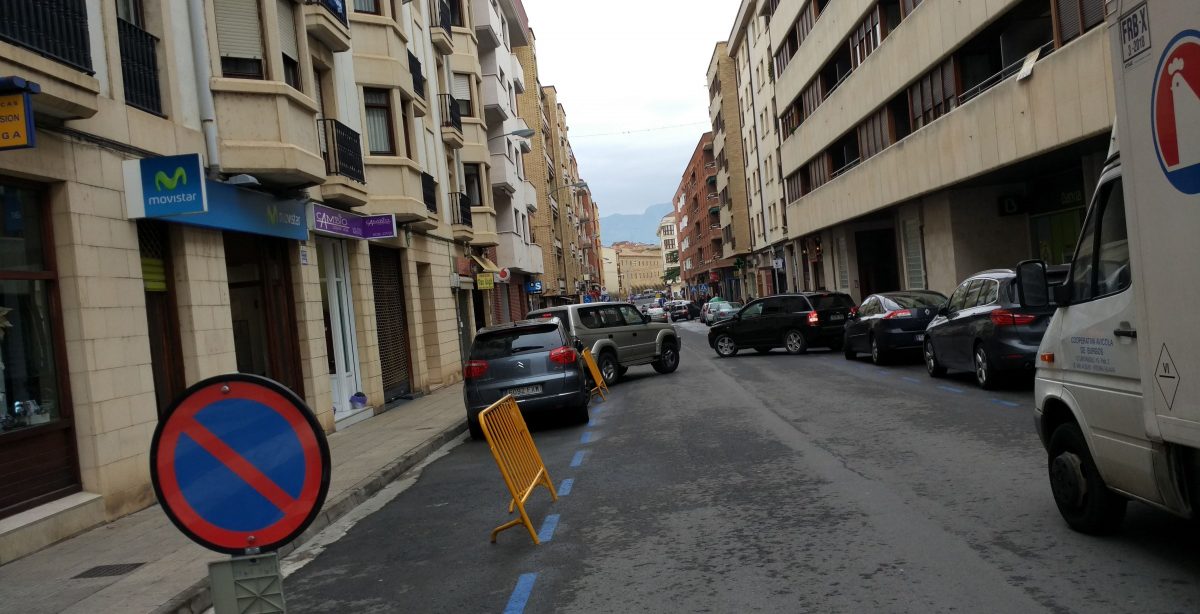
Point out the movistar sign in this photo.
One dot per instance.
(159, 187)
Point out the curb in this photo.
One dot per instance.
(197, 598)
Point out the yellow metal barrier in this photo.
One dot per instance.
(597, 377)
(518, 459)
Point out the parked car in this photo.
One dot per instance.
(684, 310)
(794, 322)
(709, 311)
(618, 336)
(657, 314)
(985, 330)
(890, 322)
(724, 311)
(534, 361)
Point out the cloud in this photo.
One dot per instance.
(628, 66)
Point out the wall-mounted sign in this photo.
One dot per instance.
(1011, 205)
(485, 281)
(327, 220)
(16, 122)
(504, 275)
(533, 287)
(165, 186)
(233, 208)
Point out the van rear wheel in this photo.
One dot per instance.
(1080, 493)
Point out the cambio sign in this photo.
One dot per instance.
(159, 187)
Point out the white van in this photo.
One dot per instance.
(1118, 377)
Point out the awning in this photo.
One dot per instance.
(487, 265)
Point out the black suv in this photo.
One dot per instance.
(794, 322)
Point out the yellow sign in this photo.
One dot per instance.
(16, 121)
(484, 281)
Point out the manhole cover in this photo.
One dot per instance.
(104, 571)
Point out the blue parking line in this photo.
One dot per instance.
(577, 460)
(564, 488)
(587, 437)
(951, 389)
(520, 594)
(1007, 403)
(911, 379)
(548, 526)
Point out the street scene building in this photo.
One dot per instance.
(704, 270)
(732, 186)
(639, 268)
(367, 204)
(668, 243)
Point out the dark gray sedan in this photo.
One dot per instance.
(532, 361)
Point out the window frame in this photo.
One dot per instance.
(1096, 214)
(391, 128)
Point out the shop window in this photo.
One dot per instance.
(239, 38)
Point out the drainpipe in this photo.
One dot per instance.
(203, 66)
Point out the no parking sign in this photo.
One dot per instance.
(240, 464)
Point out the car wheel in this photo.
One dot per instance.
(1081, 495)
(794, 342)
(932, 365)
(668, 361)
(984, 375)
(474, 429)
(610, 369)
(726, 346)
(878, 356)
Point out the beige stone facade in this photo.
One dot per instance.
(732, 186)
(639, 268)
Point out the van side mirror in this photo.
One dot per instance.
(1032, 288)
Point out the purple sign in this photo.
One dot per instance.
(337, 222)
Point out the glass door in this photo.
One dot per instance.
(341, 337)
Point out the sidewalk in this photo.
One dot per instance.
(173, 575)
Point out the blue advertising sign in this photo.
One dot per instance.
(587, 298)
(160, 187)
(533, 287)
(233, 208)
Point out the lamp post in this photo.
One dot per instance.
(523, 133)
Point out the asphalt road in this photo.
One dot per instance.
(761, 483)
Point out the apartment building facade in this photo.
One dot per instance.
(668, 243)
(923, 141)
(610, 276)
(703, 269)
(731, 187)
(749, 48)
(345, 158)
(639, 268)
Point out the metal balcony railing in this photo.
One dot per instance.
(57, 30)
(451, 114)
(445, 19)
(429, 192)
(139, 67)
(337, 7)
(341, 147)
(418, 77)
(462, 213)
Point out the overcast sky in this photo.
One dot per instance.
(630, 65)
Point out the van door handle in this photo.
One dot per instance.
(1126, 332)
(610, 336)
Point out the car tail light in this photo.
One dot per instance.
(564, 355)
(853, 311)
(1004, 317)
(547, 315)
(813, 318)
(475, 368)
(899, 313)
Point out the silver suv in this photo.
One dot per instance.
(619, 336)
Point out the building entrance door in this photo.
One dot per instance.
(387, 282)
(341, 339)
(878, 270)
(264, 315)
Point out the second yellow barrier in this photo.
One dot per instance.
(518, 459)
(597, 377)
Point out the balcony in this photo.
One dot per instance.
(418, 75)
(429, 192)
(397, 187)
(495, 100)
(487, 24)
(345, 177)
(452, 126)
(139, 67)
(461, 221)
(325, 20)
(439, 31)
(504, 174)
(268, 130)
(48, 43)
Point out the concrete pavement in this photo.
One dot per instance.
(171, 572)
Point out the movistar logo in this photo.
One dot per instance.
(275, 216)
(161, 180)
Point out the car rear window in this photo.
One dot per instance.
(822, 302)
(504, 343)
(909, 301)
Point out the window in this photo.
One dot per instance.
(287, 42)
(971, 297)
(239, 38)
(461, 89)
(1074, 17)
(368, 6)
(632, 315)
(471, 179)
(796, 304)
(935, 94)
(988, 292)
(131, 11)
(875, 134)
(753, 310)
(1101, 265)
(869, 307)
(866, 37)
(959, 298)
(380, 139)
(406, 122)
(515, 342)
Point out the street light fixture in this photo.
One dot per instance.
(523, 133)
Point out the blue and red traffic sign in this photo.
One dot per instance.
(240, 464)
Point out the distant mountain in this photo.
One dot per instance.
(631, 227)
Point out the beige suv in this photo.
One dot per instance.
(619, 337)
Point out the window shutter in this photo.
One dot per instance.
(239, 30)
(287, 29)
(843, 264)
(914, 264)
(1068, 19)
(1093, 13)
(461, 88)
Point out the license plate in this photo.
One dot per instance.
(836, 317)
(920, 336)
(525, 391)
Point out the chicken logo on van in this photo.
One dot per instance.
(1175, 110)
